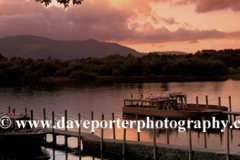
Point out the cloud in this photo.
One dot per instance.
(193, 41)
(169, 20)
(99, 20)
(210, 5)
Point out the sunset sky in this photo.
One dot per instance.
(144, 25)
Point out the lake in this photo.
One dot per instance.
(107, 98)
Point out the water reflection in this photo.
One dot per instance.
(108, 98)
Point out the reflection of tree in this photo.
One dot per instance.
(64, 2)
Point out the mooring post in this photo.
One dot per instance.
(101, 148)
(44, 114)
(185, 97)
(65, 122)
(53, 130)
(31, 114)
(219, 101)
(167, 130)
(228, 148)
(79, 135)
(114, 135)
(197, 101)
(207, 102)
(13, 110)
(25, 111)
(204, 134)
(190, 141)
(9, 109)
(124, 137)
(138, 133)
(230, 109)
(66, 138)
(92, 119)
(154, 140)
(44, 118)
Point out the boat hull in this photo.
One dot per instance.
(26, 140)
(176, 114)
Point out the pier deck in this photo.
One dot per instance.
(140, 149)
(231, 113)
(71, 133)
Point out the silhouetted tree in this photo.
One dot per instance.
(64, 2)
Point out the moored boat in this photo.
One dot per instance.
(13, 137)
(172, 105)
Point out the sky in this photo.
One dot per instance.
(144, 25)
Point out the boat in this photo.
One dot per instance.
(172, 105)
(13, 137)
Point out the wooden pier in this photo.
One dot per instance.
(58, 132)
(139, 149)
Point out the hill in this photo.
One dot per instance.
(36, 47)
(40, 48)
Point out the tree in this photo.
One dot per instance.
(64, 2)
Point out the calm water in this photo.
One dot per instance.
(107, 98)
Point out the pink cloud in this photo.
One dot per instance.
(211, 5)
(99, 20)
(169, 20)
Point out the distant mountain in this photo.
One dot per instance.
(40, 48)
(36, 47)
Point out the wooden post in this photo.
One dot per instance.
(207, 102)
(9, 109)
(141, 95)
(124, 137)
(167, 131)
(114, 135)
(101, 147)
(230, 109)
(138, 133)
(65, 120)
(219, 101)
(31, 114)
(53, 130)
(154, 140)
(92, 119)
(44, 114)
(190, 141)
(131, 96)
(25, 111)
(197, 101)
(204, 135)
(44, 118)
(13, 110)
(79, 135)
(228, 149)
(66, 140)
(185, 97)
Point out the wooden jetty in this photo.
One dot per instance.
(139, 149)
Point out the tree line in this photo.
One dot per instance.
(203, 63)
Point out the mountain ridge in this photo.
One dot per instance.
(37, 47)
